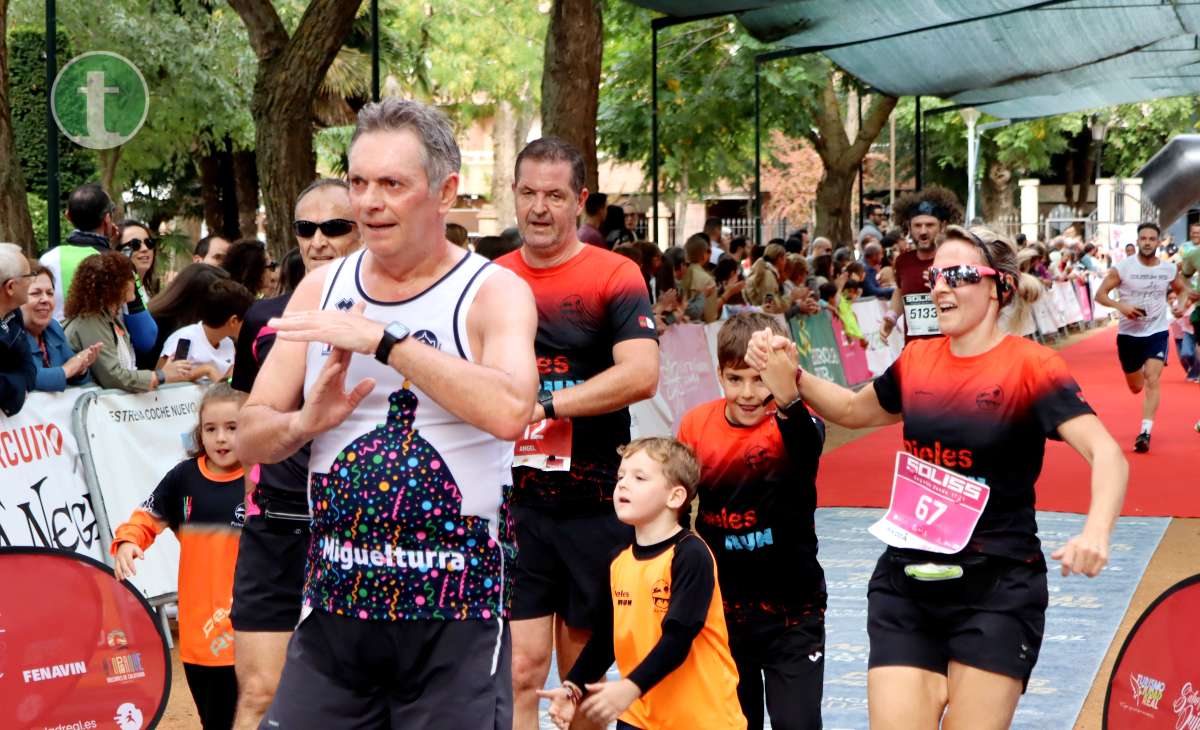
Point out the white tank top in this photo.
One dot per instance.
(408, 501)
(1145, 287)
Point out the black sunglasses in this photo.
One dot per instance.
(331, 228)
(134, 244)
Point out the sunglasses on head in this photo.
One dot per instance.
(331, 228)
(959, 274)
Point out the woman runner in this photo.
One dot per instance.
(957, 631)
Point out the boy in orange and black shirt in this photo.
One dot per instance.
(758, 449)
(665, 626)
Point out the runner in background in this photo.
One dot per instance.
(1143, 338)
(270, 572)
(961, 627)
(200, 499)
(597, 352)
(924, 215)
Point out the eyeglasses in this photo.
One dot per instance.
(331, 228)
(959, 274)
(31, 275)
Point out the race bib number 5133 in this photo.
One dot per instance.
(932, 508)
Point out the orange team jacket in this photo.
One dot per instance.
(206, 511)
(700, 694)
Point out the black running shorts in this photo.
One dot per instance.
(991, 618)
(269, 578)
(562, 564)
(1134, 351)
(352, 674)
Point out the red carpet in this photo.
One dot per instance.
(1163, 482)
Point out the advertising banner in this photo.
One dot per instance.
(854, 357)
(132, 440)
(686, 375)
(80, 649)
(45, 501)
(1155, 681)
(818, 346)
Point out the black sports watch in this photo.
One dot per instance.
(546, 399)
(393, 334)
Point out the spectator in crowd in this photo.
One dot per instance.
(797, 275)
(90, 210)
(845, 311)
(827, 294)
(822, 269)
(493, 247)
(872, 262)
(651, 260)
(1088, 260)
(103, 283)
(629, 251)
(613, 227)
(698, 288)
(763, 285)
(17, 373)
(210, 250)
(247, 261)
(855, 271)
(210, 346)
(841, 258)
(512, 238)
(793, 244)
(291, 271)
(631, 218)
(716, 238)
(594, 210)
(457, 234)
(674, 264)
(821, 246)
(801, 234)
(179, 305)
(728, 275)
(739, 248)
(57, 364)
(141, 248)
(875, 218)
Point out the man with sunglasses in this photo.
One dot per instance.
(269, 578)
(924, 215)
(1142, 283)
(17, 372)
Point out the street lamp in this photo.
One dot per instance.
(970, 115)
(1099, 127)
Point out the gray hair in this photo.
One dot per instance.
(439, 152)
(318, 184)
(872, 249)
(12, 261)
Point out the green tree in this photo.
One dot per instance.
(15, 224)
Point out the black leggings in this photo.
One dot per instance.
(214, 690)
(790, 656)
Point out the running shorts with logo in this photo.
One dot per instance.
(406, 591)
(1134, 351)
(985, 417)
(269, 580)
(757, 498)
(566, 528)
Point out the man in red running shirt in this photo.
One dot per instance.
(924, 215)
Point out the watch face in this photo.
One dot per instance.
(397, 330)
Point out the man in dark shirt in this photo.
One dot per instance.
(270, 569)
(17, 373)
(924, 215)
(593, 215)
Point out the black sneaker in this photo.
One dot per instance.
(1142, 444)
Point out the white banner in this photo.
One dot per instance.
(133, 439)
(880, 354)
(44, 499)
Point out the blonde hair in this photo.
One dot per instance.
(756, 283)
(679, 463)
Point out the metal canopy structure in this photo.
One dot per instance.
(1013, 59)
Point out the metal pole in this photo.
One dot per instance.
(861, 219)
(53, 234)
(971, 170)
(757, 153)
(654, 134)
(375, 50)
(917, 143)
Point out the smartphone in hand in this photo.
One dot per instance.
(182, 348)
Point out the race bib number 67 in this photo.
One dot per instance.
(932, 508)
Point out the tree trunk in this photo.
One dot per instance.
(15, 224)
(109, 159)
(210, 193)
(681, 204)
(998, 193)
(834, 199)
(246, 181)
(290, 70)
(1085, 183)
(1069, 186)
(504, 155)
(571, 77)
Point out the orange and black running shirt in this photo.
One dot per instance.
(585, 307)
(986, 417)
(667, 633)
(206, 511)
(757, 495)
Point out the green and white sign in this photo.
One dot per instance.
(100, 100)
